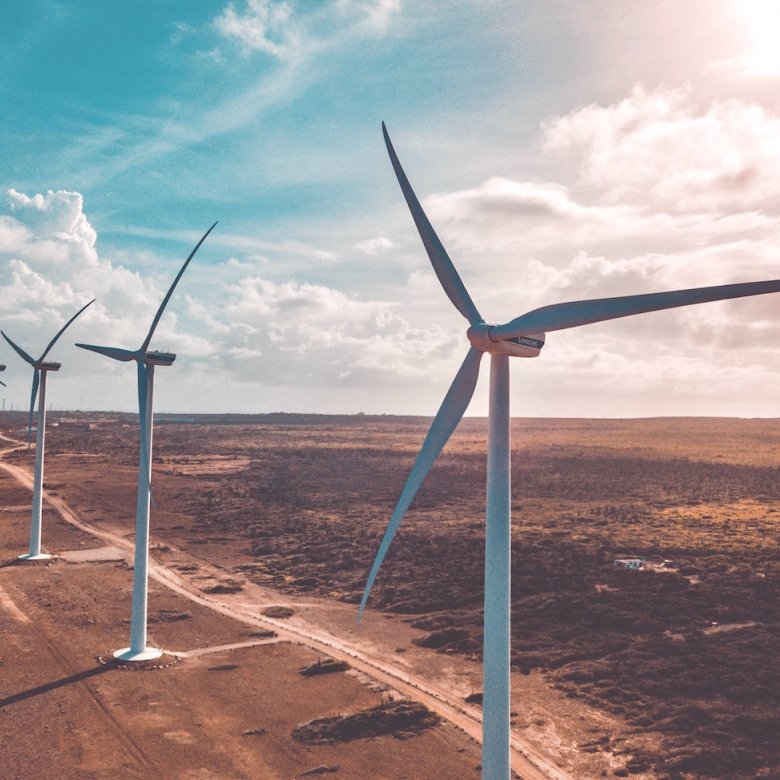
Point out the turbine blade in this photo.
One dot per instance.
(3, 383)
(113, 352)
(22, 354)
(62, 330)
(447, 418)
(33, 395)
(442, 265)
(560, 316)
(167, 297)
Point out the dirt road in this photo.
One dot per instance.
(526, 760)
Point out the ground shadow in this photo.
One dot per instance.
(21, 562)
(51, 686)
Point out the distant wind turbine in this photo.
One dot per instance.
(146, 360)
(522, 337)
(40, 369)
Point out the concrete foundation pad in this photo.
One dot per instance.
(95, 554)
(148, 654)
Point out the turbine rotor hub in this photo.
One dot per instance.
(521, 346)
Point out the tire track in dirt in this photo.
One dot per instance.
(8, 604)
(529, 762)
(133, 748)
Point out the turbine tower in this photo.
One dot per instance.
(522, 337)
(40, 369)
(146, 360)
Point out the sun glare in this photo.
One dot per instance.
(763, 20)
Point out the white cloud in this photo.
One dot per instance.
(653, 193)
(297, 38)
(640, 204)
(49, 267)
(375, 246)
(660, 147)
(236, 325)
(506, 225)
(264, 26)
(372, 16)
(275, 28)
(317, 336)
(57, 214)
(503, 213)
(50, 230)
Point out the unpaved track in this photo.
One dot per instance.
(526, 760)
(200, 651)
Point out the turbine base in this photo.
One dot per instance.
(147, 654)
(36, 557)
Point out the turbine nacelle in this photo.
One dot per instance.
(481, 339)
(159, 358)
(40, 367)
(152, 358)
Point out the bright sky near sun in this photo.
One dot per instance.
(562, 149)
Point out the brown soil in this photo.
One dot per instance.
(68, 711)
(616, 672)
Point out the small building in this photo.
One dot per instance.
(629, 563)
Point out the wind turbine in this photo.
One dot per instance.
(40, 369)
(522, 337)
(2, 368)
(146, 360)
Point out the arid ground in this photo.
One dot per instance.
(269, 524)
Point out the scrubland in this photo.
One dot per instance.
(684, 650)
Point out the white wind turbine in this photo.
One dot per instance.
(40, 369)
(522, 337)
(146, 360)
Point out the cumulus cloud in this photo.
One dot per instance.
(511, 224)
(50, 267)
(651, 206)
(51, 230)
(505, 213)
(655, 193)
(235, 325)
(661, 146)
(644, 200)
(299, 333)
(56, 214)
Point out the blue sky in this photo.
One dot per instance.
(562, 150)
